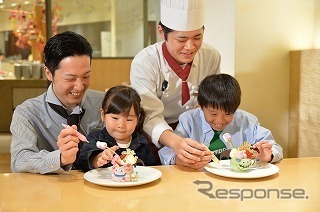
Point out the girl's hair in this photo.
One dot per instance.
(220, 91)
(120, 99)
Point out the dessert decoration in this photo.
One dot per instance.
(122, 169)
(242, 158)
(227, 138)
(249, 151)
(101, 145)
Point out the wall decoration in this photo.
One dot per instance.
(30, 26)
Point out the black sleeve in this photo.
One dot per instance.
(87, 151)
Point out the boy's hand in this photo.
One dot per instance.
(265, 151)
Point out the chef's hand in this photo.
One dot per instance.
(190, 151)
(68, 145)
(186, 149)
(197, 164)
(265, 151)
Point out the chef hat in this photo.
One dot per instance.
(182, 15)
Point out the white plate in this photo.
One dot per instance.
(260, 170)
(102, 176)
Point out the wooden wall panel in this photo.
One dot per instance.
(14, 92)
(304, 104)
(108, 72)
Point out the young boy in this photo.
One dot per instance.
(219, 98)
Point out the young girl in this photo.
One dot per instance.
(123, 117)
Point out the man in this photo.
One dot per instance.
(40, 143)
(167, 74)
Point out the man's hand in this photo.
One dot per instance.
(198, 164)
(68, 145)
(189, 151)
(186, 149)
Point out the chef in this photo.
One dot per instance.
(167, 74)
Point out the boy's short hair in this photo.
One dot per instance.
(220, 91)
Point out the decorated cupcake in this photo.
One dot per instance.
(242, 158)
(123, 167)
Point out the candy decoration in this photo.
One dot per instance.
(227, 138)
(242, 158)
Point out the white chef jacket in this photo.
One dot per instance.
(149, 70)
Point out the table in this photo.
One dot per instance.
(176, 190)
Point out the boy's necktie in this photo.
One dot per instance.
(182, 73)
(216, 137)
(216, 144)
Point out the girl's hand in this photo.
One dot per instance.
(265, 151)
(104, 157)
